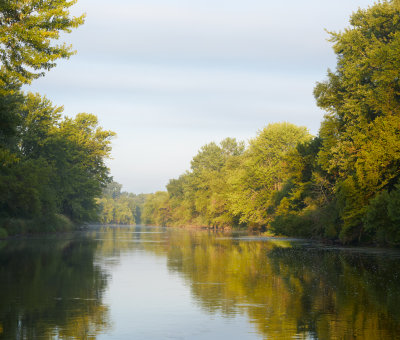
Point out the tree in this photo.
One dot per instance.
(58, 164)
(305, 205)
(28, 30)
(199, 197)
(361, 130)
(112, 190)
(382, 219)
(208, 180)
(156, 210)
(263, 171)
(78, 148)
(9, 121)
(116, 207)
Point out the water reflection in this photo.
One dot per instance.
(136, 276)
(289, 290)
(50, 288)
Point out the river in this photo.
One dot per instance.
(160, 283)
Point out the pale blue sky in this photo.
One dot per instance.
(170, 76)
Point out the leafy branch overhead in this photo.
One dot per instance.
(29, 30)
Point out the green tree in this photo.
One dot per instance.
(116, 207)
(382, 219)
(112, 190)
(78, 147)
(199, 197)
(209, 173)
(264, 169)
(361, 130)
(25, 181)
(49, 165)
(306, 204)
(58, 165)
(28, 30)
(156, 210)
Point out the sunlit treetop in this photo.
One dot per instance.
(28, 31)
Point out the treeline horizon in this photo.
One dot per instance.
(342, 185)
(120, 207)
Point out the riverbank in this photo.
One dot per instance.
(19, 226)
(268, 233)
(24, 227)
(195, 226)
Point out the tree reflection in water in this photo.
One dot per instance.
(51, 288)
(288, 289)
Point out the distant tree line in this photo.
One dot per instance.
(116, 207)
(51, 166)
(343, 184)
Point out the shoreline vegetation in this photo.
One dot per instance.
(342, 185)
(52, 167)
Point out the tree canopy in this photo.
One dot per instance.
(52, 167)
(361, 130)
(55, 165)
(28, 30)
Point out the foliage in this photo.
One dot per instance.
(118, 207)
(27, 32)
(3, 233)
(264, 169)
(51, 167)
(156, 210)
(229, 185)
(198, 197)
(382, 220)
(361, 131)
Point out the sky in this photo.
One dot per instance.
(169, 76)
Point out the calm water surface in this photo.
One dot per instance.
(157, 283)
